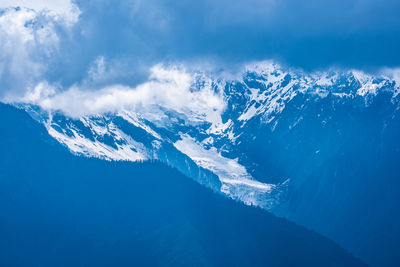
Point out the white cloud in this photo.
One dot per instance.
(392, 73)
(29, 40)
(169, 88)
(25, 44)
(60, 9)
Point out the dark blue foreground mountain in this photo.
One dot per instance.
(57, 209)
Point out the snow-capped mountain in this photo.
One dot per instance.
(256, 100)
(298, 144)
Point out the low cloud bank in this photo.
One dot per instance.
(169, 88)
(88, 57)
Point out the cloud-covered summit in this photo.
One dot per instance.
(67, 43)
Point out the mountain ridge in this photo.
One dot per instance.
(266, 136)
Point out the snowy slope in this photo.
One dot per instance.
(210, 135)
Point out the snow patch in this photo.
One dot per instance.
(128, 149)
(236, 182)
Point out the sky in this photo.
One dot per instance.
(306, 33)
(97, 43)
